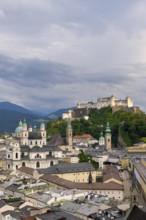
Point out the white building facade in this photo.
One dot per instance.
(29, 148)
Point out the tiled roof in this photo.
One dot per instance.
(26, 170)
(84, 136)
(40, 149)
(84, 186)
(110, 175)
(56, 215)
(68, 168)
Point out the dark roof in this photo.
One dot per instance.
(56, 140)
(58, 215)
(136, 213)
(13, 187)
(68, 168)
(40, 149)
(2, 203)
(84, 186)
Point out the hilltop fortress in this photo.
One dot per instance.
(107, 101)
(83, 108)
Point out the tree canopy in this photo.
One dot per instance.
(127, 128)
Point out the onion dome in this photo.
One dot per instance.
(101, 137)
(19, 128)
(107, 130)
(69, 125)
(24, 125)
(42, 125)
(101, 140)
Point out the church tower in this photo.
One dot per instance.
(101, 140)
(43, 132)
(69, 133)
(24, 138)
(108, 137)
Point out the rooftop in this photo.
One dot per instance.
(84, 186)
(68, 168)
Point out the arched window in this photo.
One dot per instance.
(8, 155)
(16, 155)
(8, 166)
(37, 164)
(51, 163)
(50, 153)
(23, 164)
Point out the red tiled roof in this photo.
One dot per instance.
(84, 136)
(26, 170)
(29, 218)
(84, 186)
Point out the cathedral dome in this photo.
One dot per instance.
(18, 129)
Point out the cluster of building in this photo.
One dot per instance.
(43, 180)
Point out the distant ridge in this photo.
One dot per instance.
(9, 120)
(13, 107)
(10, 115)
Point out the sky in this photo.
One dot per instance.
(55, 53)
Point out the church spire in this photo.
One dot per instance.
(69, 133)
(108, 137)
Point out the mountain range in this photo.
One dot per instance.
(11, 114)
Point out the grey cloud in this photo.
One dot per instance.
(55, 53)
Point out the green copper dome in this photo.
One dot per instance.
(19, 128)
(42, 125)
(20, 124)
(69, 125)
(101, 137)
(24, 125)
(107, 130)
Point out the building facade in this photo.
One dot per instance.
(29, 148)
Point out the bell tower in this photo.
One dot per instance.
(108, 137)
(69, 133)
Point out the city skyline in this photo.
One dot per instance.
(54, 54)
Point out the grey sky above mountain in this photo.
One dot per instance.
(54, 53)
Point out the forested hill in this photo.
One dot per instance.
(127, 127)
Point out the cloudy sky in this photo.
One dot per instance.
(54, 53)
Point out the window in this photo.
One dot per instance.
(23, 164)
(16, 167)
(37, 156)
(51, 163)
(8, 166)
(8, 155)
(16, 155)
(38, 164)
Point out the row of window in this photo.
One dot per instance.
(37, 164)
